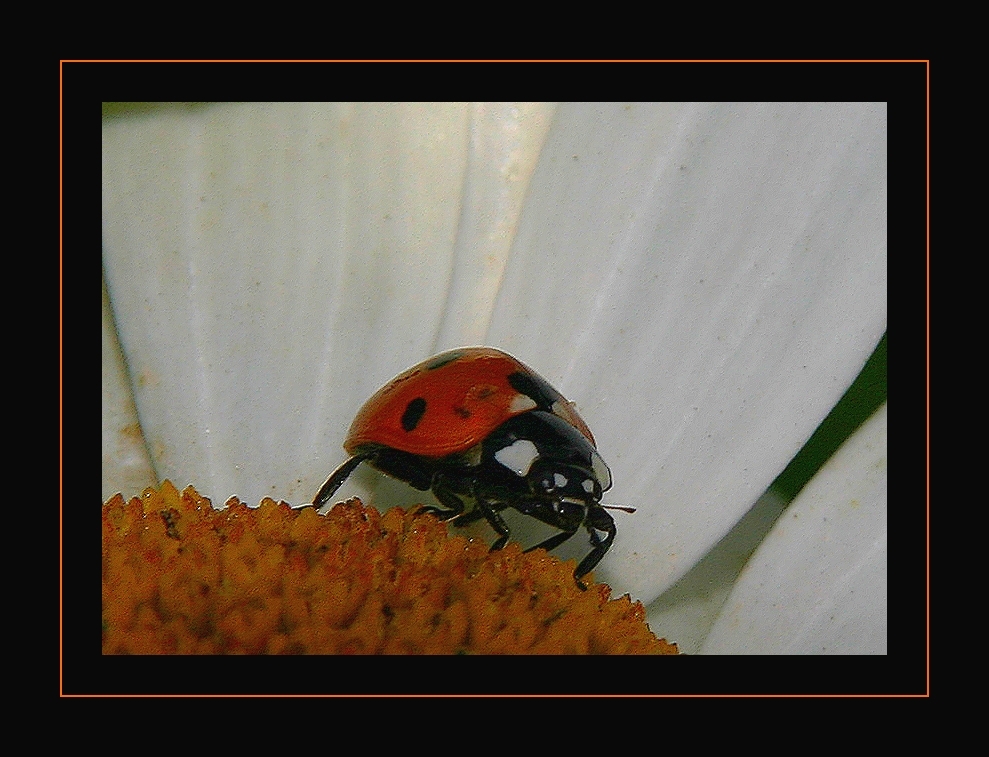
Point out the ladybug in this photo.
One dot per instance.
(484, 432)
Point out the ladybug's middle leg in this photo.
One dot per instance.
(448, 498)
(490, 512)
(450, 495)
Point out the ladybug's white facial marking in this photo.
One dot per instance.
(521, 403)
(518, 457)
(588, 485)
(560, 480)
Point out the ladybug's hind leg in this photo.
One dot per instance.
(337, 477)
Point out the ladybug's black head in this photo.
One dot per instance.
(562, 493)
(563, 481)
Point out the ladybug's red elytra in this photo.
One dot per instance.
(484, 432)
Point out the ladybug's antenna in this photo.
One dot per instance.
(626, 508)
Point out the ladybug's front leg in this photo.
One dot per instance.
(554, 541)
(597, 520)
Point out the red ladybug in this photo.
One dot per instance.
(484, 432)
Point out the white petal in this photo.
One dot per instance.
(817, 585)
(126, 466)
(704, 281)
(686, 612)
(505, 142)
(270, 267)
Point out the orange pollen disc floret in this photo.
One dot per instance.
(181, 577)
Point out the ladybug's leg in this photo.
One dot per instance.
(337, 477)
(449, 495)
(469, 517)
(448, 498)
(597, 520)
(554, 541)
(475, 513)
(490, 513)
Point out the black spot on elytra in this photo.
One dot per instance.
(413, 413)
